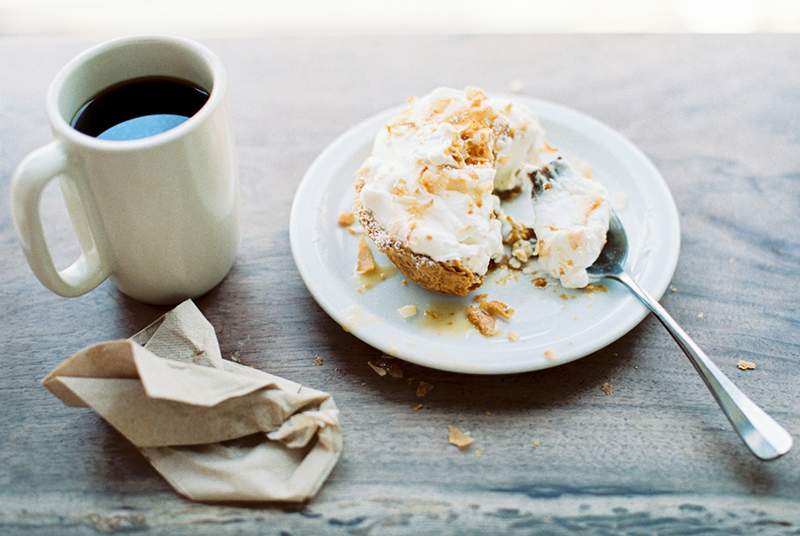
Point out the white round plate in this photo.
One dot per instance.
(554, 325)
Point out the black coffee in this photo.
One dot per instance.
(139, 108)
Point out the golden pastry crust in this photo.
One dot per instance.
(449, 277)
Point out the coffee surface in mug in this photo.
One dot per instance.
(139, 108)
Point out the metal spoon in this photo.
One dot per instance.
(762, 435)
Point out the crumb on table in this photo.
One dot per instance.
(423, 388)
(380, 371)
(458, 438)
(745, 365)
(607, 389)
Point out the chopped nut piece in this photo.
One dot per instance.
(346, 218)
(417, 407)
(365, 262)
(482, 320)
(423, 389)
(458, 438)
(536, 443)
(497, 308)
(595, 288)
(512, 336)
(318, 360)
(607, 388)
(549, 148)
(745, 365)
(380, 371)
(522, 250)
(548, 354)
(407, 311)
(540, 282)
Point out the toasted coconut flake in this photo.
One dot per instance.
(346, 219)
(407, 311)
(365, 262)
(607, 389)
(423, 389)
(745, 365)
(482, 320)
(458, 438)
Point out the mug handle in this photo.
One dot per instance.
(30, 178)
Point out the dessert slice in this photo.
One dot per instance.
(571, 214)
(425, 195)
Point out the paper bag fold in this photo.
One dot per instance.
(214, 429)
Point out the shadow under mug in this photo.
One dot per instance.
(159, 215)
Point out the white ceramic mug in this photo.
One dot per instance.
(159, 215)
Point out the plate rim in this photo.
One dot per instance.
(629, 322)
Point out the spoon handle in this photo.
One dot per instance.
(763, 436)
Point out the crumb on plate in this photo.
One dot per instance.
(346, 219)
(365, 262)
(483, 321)
(407, 311)
(497, 309)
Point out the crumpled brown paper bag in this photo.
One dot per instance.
(216, 430)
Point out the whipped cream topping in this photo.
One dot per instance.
(433, 168)
(571, 214)
(525, 146)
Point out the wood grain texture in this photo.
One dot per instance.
(719, 116)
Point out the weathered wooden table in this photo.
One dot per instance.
(720, 116)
